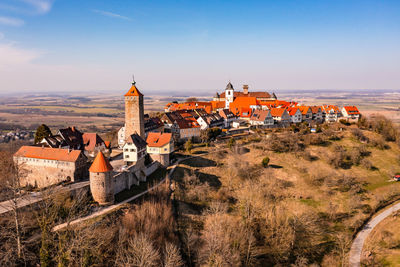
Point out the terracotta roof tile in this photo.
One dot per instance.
(100, 164)
(49, 153)
(353, 110)
(158, 139)
(277, 112)
(133, 91)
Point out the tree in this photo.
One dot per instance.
(231, 142)
(265, 162)
(41, 132)
(189, 146)
(10, 176)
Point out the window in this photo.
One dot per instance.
(126, 150)
(126, 156)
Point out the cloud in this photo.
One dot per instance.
(110, 14)
(11, 55)
(1, 35)
(11, 21)
(41, 6)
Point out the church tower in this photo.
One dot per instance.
(134, 112)
(228, 95)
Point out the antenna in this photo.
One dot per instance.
(133, 79)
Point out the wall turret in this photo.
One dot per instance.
(101, 180)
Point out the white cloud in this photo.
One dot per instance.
(110, 14)
(9, 21)
(12, 55)
(41, 6)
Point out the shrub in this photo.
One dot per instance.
(367, 164)
(344, 122)
(189, 146)
(265, 162)
(231, 142)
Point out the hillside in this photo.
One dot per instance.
(303, 208)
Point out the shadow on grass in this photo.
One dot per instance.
(199, 162)
(275, 166)
(152, 180)
(211, 179)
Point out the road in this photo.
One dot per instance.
(35, 197)
(358, 243)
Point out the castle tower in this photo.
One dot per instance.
(228, 94)
(101, 180)
(134, 112)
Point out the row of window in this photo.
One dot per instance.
(46, 161)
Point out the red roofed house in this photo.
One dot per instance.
(306, 113)
(295, 114)
(317, 114)
(351, 112)
(261, 117)
(243, 106)
(280, 115)
(160, 146)
(45, 166)
(332, 113)
(93, 144)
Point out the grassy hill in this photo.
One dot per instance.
(302, 209)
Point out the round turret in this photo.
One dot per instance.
(101, 180)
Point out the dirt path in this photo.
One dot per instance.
(358, 243)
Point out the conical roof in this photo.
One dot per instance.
(133, 91)
(100, 164)
(229, 86)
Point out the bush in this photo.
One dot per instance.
(265, 162)
(189, 146)
(289, 142)
(367, 164)
(231, 142)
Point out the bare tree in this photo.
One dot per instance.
(10, 177)
(172, 257)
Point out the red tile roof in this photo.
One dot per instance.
(304, 109)
(133, 91)
(353, 110)
(100, 164)
(315, 109)
(48, 153)
(91, 140)
(292, 110)
(158, 139)
(277, 112)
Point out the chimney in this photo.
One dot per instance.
(245, 89)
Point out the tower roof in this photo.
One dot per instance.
(229, 86)
(100, 164)
(133, 91)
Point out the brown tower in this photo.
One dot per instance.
(134, 112)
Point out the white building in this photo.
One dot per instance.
(134, 149)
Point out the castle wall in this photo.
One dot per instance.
(43, 173)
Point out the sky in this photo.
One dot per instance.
(194, 46)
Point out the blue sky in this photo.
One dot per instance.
(68, 45)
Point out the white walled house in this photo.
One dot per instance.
(280, 115)
(121, 137)
(332, 113)
(295, 114)
(228, 117)
(261, 117)
(317, 114)
(306, 113)
(160, 146)
(134, 149)
(351, 112)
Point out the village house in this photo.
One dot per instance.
(280, 116)
(134, 149)
(351, 113)
(45, 166)
(210, 121)
(93, 143)
(306, 113)
(261, 117)
(317, 114)
(72, 137)
(182, 124)
(228, 117)
(295, 114)
(160, 146)
(332, 113)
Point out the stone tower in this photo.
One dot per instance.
(228, 95)
(134, 112)
(101, 180)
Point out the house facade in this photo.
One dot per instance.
(295, 114)
(351, 112)
(160, 146)
(45, 166)
(134, 149)
(261, 117)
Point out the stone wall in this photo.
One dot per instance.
(128, 178)
(134, 116)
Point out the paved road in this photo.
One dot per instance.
(35, 197)
(358, 243)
